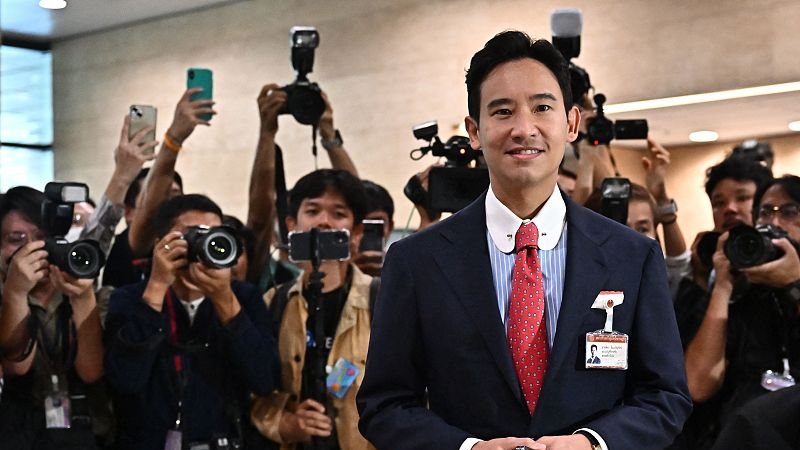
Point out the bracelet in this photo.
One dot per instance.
(670, 222)
(170, 144)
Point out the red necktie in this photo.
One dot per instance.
(527, 328)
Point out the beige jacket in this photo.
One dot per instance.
(350, 342)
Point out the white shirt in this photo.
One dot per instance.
(191, 308)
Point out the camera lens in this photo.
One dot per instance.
(83, 260)
(746, 247)
(220, 249)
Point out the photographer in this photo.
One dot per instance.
(380, 206)
(261, 214)
(751, 324)
(188, 346)
(325, 199)
(50, 336)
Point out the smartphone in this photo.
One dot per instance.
(197, 77)
(373, 236)
(333, 245)
(142, 116)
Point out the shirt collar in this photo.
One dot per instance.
(503, 224)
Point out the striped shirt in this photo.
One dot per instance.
(502, 226)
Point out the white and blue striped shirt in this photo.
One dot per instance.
(501, 229)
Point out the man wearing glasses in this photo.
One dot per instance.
(749, 340)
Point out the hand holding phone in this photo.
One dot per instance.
(202, 78)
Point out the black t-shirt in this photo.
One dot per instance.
(120, 269)
(332, 305)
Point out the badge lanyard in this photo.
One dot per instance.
(774, 380)
(177, 358)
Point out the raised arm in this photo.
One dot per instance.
(340, 159)
(157, 185)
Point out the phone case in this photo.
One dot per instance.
(197, 77)
(142, 116)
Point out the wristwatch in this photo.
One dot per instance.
(336, 142)
(666, 209)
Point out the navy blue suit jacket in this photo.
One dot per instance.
(438, 340)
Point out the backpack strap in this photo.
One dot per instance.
(278, 305)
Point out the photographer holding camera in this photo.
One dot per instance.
(300, 412)
(749, 340)
(50, 335)
(188, 346)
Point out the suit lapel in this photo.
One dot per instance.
(464, 261)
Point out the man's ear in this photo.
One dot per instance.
(573, 123)
(472, 129)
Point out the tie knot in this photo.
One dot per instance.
(527, 236)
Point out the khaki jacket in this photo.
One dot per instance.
(350, 342)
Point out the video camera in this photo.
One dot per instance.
(304, 100)
(218, 247)
(81, 259)
(566, 25)
(463, 178)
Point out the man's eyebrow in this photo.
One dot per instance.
(506, 101)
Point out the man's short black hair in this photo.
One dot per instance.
(174, 207)
(378, 198)
(136, 186)
(593, 347)
(25, 200)
(316, 183)
(510, 46)
(739, 169)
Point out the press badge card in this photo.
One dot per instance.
(341, 377)
(606, 348)
(56, 407)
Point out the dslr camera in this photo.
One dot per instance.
(304, 100)
(752, 246)
(217, 247)
(602, 130)
(81, 259)
(463, 178)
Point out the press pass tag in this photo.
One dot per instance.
(56, 407)
(606, 348)
(341, 377)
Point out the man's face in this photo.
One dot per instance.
(16, 231)
(640, 218)
(328, 211)
(787, 218)
(732, 203)
(523, 126)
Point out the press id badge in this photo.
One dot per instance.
(606, 348)
(56, 407)
(341, 377)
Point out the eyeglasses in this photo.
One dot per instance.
(786, 212)
(22, 238)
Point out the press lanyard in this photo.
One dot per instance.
(177, 358)
(64, 341)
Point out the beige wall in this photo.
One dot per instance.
(388, 65)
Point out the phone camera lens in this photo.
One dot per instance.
(191, 74)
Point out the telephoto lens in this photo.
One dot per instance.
(747, 246)
(81, 259)
(216, 247)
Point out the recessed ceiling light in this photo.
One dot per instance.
(794, 126)
(53, 4)
(703, 136)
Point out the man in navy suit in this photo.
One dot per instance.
(440, 373)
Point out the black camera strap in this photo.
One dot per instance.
(314, 145)
(58, 354)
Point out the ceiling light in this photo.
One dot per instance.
(53, 4)
(794, 126)
(702, 98)
(703, 136)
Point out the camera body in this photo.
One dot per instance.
(217, 247)
(752, 246)
(616, 193)
(320, 245)
(602, 130)
(304, 100)
(81, 259)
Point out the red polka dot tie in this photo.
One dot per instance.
(527, 327)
